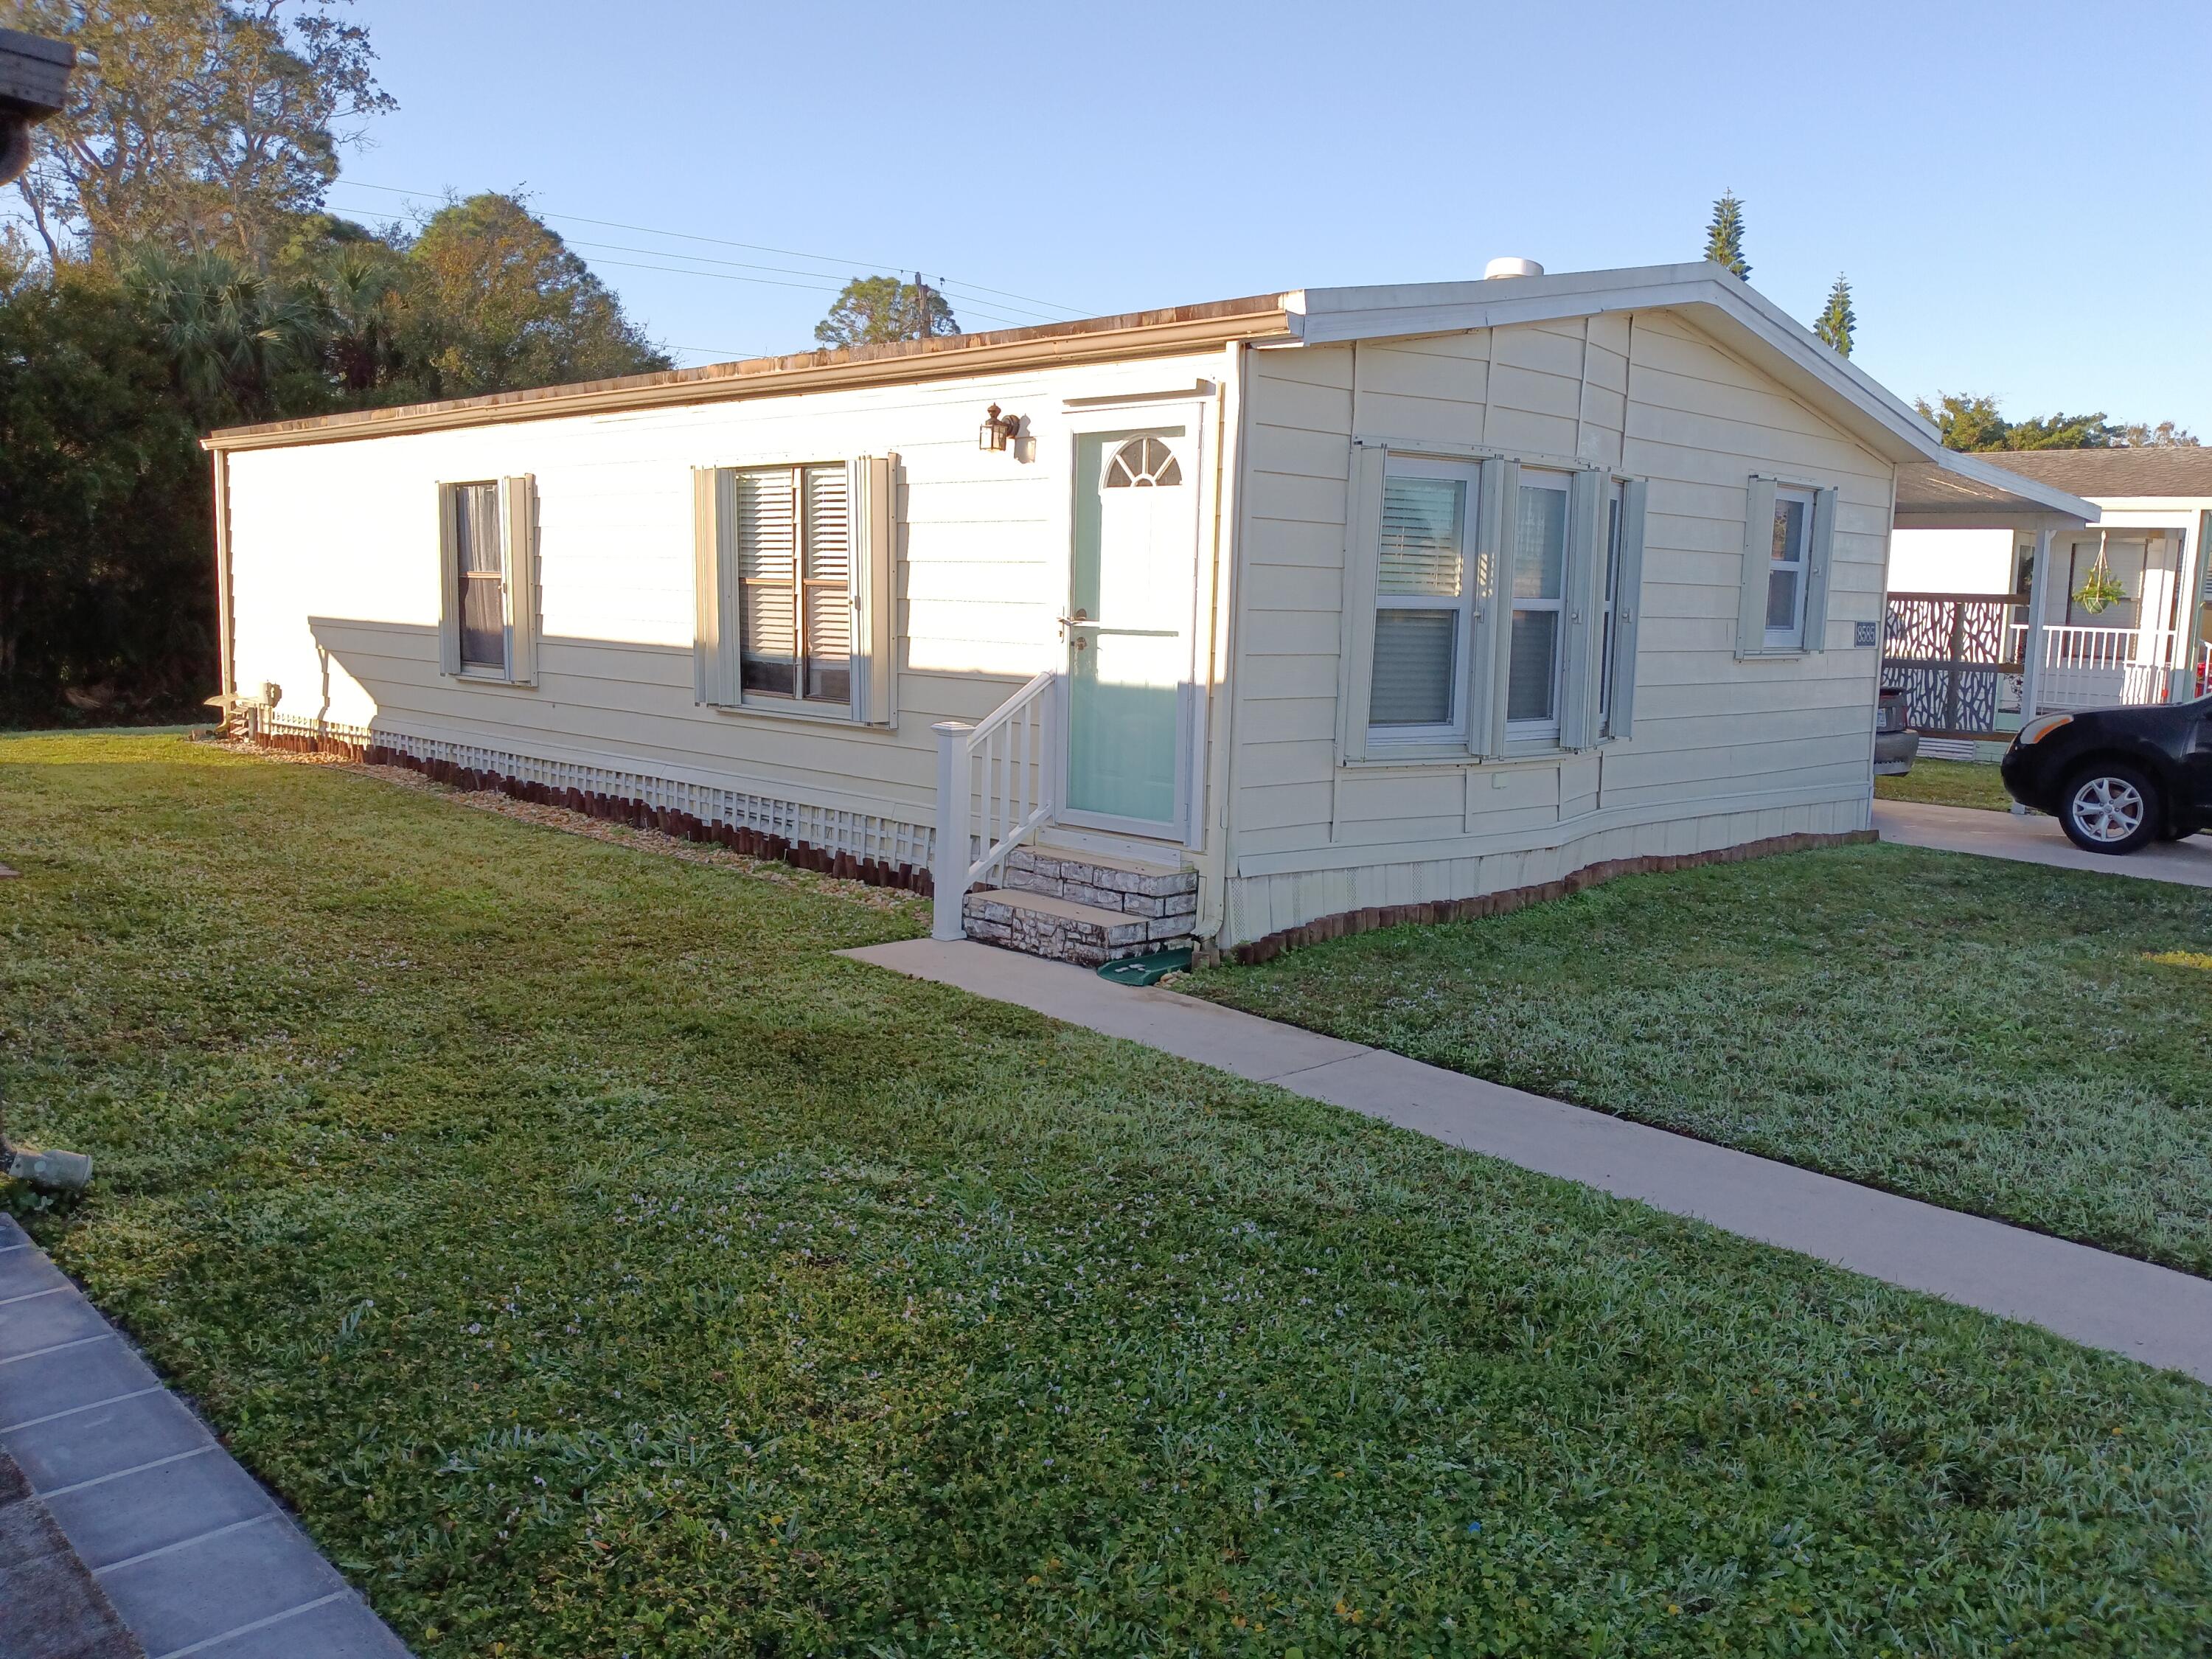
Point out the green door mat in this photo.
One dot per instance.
(1146, 969)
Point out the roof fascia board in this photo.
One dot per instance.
(762, 378)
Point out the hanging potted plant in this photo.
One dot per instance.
(2100, 588)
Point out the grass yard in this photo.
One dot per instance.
(1948, 783)
(605, 1267)
(2019, 1041)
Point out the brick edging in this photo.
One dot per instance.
(619, 809)
(1347, 922)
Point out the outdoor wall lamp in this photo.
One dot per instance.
(996, 430)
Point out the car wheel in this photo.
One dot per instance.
(2111, 807)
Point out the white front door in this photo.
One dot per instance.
(1132, 599)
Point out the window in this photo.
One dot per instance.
(1422, 602)
(792, 537)
(1792, 548)
(1141, 463)
(795, 587)
(1789, 544)
(1489, 608)
(1539, 573)
(482, 596)
(488, 603)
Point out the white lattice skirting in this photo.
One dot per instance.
(888, 851)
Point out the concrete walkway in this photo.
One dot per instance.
(2154, 1315)
(191, 1552)
(2036, 840)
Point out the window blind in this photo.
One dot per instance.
(826, 596)
(1416, 654)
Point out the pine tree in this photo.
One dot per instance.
(1838, 324)
(1724, 235)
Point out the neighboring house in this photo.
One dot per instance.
(2148, 644)
(1260, 612)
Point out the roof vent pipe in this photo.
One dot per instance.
(1510, 266)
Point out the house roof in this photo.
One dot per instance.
(1931, 478)
(2114, 474)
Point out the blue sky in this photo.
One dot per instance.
(2019, 193)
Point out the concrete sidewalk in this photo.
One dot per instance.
(191, 1552)
(2036, 840)
(2151, 1314)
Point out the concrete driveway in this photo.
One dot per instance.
(2036, 840)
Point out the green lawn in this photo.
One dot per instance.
(1948, 783)
(1999, 1037)
(603, 1267)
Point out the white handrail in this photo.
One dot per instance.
(995, 784)
(2088, 667)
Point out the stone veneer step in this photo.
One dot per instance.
(1068, 930)
(1154, 892)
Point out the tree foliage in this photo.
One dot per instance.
(202, 126)
(1837, 323)
(493, 301)
(1724, 235)
(876, 310)
(2164, 435)
(106, 596)
(1968, 421)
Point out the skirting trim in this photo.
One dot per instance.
(1347, 922)
(855, 846)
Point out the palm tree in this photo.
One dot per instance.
(230, 332)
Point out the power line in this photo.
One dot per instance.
(770, 282)
(725, 241)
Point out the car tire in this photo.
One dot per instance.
(2112, 808)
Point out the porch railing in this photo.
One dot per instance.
(2089, 667)
(994, 785)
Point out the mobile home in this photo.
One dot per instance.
(1206, 625)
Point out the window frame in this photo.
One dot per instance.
(1465, 606)
(1578, 661)
(1544, 734)
(871, 485)
(1792, 637)
(515, 514)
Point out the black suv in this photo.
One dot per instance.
(2118, 779)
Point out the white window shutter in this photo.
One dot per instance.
(875, 589)
(714, 633)
(518, 518)
(1627, 610)
(1363, 553)
(449, 581)
(1818, 560)
(1758, 561)
(1584, 595)
(1493, 592)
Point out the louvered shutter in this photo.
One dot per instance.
(449, 580)
(1363, 539)
(518, 517)
(826, 584)
(713, 636)
(875, 590)
(763, 546)
(1627, 609)
(1492, 656)
(1757, 561)
(1584, 596)
(1819, 556)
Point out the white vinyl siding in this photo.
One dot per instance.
(1685, 748)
